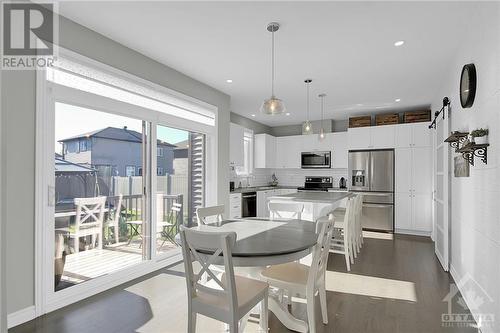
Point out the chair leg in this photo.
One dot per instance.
(322, 300)
(311, 315)
(347, 262)
(117, 231)
(76, 244)
(234, 326)
(192, 322)
(264, 314)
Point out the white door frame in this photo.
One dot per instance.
(48, 93)
(442, 177)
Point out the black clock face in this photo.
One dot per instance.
(468, 85)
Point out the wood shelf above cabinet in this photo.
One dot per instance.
(362, 121)
(456, 138)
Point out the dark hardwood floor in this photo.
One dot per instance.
(394, 286)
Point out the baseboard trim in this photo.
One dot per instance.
(21, 316)
(412, 232)
(456, 278)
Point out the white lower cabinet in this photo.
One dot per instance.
(235, 205)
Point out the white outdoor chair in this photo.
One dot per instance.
(88, 220)
(226, 297)
(304, 280)
(342, 238)
(113, 220)
(203, 213)
(290, 210)
(166, 224)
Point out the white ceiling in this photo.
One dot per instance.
(346, 48)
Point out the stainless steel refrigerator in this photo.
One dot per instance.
(372, 174)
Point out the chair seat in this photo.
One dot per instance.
(87, 231)
(291, 275)
(249, 292)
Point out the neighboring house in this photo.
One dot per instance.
(118, 149)
(181, 155)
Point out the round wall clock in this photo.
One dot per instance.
(468, 85)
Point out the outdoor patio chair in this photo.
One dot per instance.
(113, 220)
(88, 221)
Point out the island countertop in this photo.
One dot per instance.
(314, 197)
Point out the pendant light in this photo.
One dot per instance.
(321, 135)
(306, 126)
(272, 105)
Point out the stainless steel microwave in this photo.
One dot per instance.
(316, 160)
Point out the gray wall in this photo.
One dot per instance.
(256, 127)
(329, 125)
(18, 144)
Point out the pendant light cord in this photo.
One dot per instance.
(308, 83)
(272, 65)
(322, 99)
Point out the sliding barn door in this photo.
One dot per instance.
(442, 171)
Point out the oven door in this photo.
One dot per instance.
(249, 204)
(316, 160)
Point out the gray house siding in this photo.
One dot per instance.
(119, 154)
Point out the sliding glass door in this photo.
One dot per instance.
(99, 214)
(180, 179)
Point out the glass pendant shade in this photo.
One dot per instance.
(272, 106)
(307, 127)
(321, 135)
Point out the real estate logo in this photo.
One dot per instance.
(29, 35)
(466, 310)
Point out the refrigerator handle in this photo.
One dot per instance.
(370, 172)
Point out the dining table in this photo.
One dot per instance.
(261, 242)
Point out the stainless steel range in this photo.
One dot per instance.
(317, 184)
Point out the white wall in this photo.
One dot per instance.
(475, 221)
(18, 144)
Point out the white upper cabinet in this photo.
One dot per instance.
(236, 134)
(339, 149)
(373, 137)
(413, 135)
(359, 138)
(383, 136)
(265, 151)
(403, 170)
(288, 149)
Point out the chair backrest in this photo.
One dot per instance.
(359, 213)
(292, 210)
(215, 211)
(349, 218)
(206, 248)
(89, 212)
(320, 252)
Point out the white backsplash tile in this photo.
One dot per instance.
(289, 177)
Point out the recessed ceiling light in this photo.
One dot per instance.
(253, 115)
(399, 43)
(287, 114)
(397, 100)
(229, 81)
(359, 104)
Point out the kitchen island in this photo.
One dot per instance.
(316, 204)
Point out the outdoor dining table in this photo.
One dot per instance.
(261, 242)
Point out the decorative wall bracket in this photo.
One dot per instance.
(456, 139)
(471, 150)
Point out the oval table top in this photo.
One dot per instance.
(257, 237)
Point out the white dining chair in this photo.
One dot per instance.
(113, 220)
(214, 212)
(304, 280)
(341, 242)
(88, 221)
(279, 210)
(226, 297)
